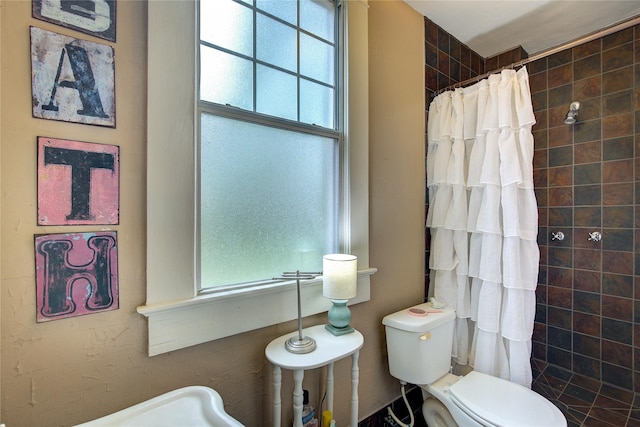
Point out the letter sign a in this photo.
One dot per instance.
(94, 17)
(72, 80)
(76, 274)
(78, 182)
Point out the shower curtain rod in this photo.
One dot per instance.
(604, 32)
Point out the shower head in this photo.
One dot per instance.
(572, 114)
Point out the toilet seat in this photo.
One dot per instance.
(496, 402)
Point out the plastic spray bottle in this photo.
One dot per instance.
(308, 412)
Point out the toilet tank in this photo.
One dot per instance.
(419, 341)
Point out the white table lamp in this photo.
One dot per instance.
(340, 284)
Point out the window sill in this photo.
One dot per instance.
(184, 323)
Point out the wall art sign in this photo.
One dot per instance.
(78, 182)
(72, 80)
(95, 17)
(76, 274)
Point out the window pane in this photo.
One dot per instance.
(316, 59)
(277, 93)
(283, 9)
(225, 79)
(283, 52)
(268, 201)
(316, 104)
(237, 80)
(316, 16)
(227, 24)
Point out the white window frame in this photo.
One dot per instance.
(177, 315)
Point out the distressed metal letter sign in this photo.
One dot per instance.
(95, 17)
(76, 274)
(78, 182)
(72, 80)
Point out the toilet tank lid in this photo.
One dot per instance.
(418, 318)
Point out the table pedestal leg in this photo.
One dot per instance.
(355, 377)
(277, 385)
(330, 387)
(298, 376)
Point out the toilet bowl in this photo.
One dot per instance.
(478, 399)
(436, 414)
(419, 342)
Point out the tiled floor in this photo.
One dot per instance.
(585, 401)
(382, 418)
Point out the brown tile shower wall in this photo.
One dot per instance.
(588, 312)
(448, 61)
(585, 182)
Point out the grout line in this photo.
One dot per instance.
(592, 405)
(629, 414)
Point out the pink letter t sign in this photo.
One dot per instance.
(78, 182)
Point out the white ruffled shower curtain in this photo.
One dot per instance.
(483, 220)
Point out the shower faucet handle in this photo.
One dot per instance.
(557, 236)
(595, 236)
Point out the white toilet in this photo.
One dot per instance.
(419, 342)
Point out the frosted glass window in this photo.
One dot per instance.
(225, 79)
(284, 52)
(283, 9)
(317, 59)
(277, 93)
(180, 312)
(316, 106)
(267, 203)
(316, 17)
(227, 24)
(297, 37)
(269, 184)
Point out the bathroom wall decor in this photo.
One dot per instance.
(78, 182)
(94, 17)
(72, 80)
(76, 274)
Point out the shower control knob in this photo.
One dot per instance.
(557, 236)
(595, 236)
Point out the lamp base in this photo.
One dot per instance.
(339, 331)
(339, 317)
(299, 345)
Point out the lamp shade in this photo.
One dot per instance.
(339, 276)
